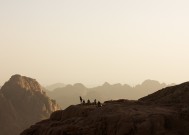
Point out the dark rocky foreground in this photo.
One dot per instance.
(165, 112)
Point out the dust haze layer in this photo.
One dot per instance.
(95, 41)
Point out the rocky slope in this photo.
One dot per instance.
(165, 112)
(170, 95)
(23, 103)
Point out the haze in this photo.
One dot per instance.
(93, 41)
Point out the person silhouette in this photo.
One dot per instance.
(88, 102)
(99, 104)
(95, 102)
(81, 100)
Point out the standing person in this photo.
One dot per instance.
(88, 102)
(81, 100)
(95, 102)
(99, 104)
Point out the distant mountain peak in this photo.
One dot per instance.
(149, 81)
(22, 104)
(23, 82)
(117, 85)
(55, 86)
(106, 84)
(79, 85)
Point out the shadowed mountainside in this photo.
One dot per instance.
(69, 94)
(23, 103)
(163, 113)
(170, 95)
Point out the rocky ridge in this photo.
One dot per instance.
(170, 95)
(166, 112)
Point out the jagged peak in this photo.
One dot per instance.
(23, 82)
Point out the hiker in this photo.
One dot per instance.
(95, 102)
(99, 104)
(81, 100)
(88, 102)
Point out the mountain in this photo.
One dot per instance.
(23, 103)
(69, 95)
(164, 112)
(55, 86)
(178, 94)
(148, 87)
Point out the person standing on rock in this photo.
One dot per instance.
(88, 102)
(95, 102)
(81, 100)
(99, 104)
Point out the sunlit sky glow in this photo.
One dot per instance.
(93, 41)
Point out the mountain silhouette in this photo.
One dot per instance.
(69, 94)
(164, 112)
(174, 94)
(23, 103)
(55, 86)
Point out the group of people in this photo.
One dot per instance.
(89, 102)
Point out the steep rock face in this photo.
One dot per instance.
(8, 118)
(23, 103)
(123, 117)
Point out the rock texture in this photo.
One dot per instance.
(23, 103)
(165, 112)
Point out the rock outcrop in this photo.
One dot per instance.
(165, 112)
(178, 94)
(23, 103)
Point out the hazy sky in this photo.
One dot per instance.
(93, 41)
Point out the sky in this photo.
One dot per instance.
(95, 41)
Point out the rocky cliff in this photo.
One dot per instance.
(165, 112)
(23, 103)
